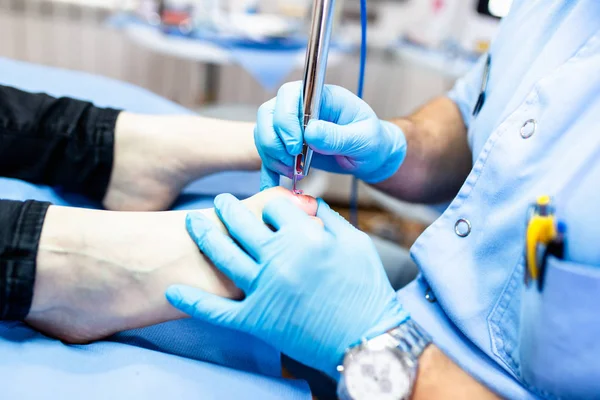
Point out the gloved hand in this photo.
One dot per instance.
(347, 138)
(311, 292)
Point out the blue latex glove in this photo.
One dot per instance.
(310, 292)
(348, 138)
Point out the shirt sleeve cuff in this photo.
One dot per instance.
(20, 230)
(101, 123)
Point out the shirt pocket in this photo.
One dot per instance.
(559, 332)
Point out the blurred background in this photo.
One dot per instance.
(191, 63)
(224, 58)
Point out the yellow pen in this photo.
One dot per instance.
(541, 230)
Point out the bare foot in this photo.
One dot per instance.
(101, 272)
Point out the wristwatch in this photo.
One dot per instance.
(384, 367)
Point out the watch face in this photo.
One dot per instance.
(377, 375)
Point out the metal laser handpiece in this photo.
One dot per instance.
(314, 77)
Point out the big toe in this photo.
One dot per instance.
(306, 203)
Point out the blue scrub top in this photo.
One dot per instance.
(538, 133)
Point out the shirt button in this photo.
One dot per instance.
(462, 227)
(528, 128)
(429, 296)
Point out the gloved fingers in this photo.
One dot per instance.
(346, 163)
(222, 251)
(333, 222)
(249, 231)
(287, 118)
(268, 142)
(341, 106)
(268, 178)
(322, 137)
(202, 305)
(282, 212)
(328, 138)
(275, 167)
(327, 163)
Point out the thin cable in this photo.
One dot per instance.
(363, 47)
(359, 92)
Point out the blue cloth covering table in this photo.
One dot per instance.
(171, 360)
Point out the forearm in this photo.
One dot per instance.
(439, 377)
(438, 157)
